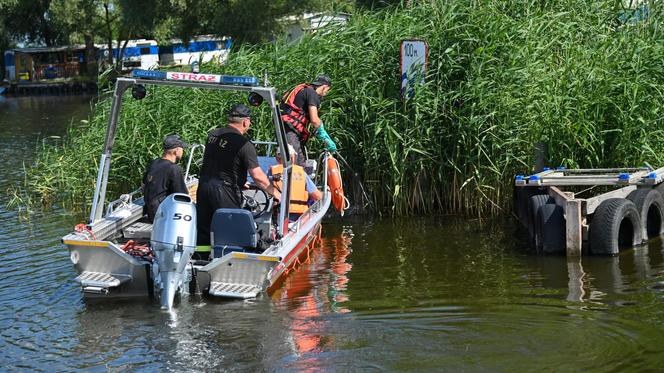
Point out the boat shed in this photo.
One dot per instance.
(31, 65)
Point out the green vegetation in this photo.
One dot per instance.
(502, 75)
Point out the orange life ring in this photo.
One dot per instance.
(334, 182)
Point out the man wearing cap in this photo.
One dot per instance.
(228, 156)
(299, 107)
(163, 176)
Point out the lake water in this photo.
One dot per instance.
(403, 294)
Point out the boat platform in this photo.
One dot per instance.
(596, 211)
(50, 88)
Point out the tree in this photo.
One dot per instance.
(107, 20)
(62, 22)
(30, 22)
(251, 21)
(78, 19)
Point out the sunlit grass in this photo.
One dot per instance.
(502, 75)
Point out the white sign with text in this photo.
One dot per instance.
(414, 58)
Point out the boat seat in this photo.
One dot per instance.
(138, 230)
(232, 230)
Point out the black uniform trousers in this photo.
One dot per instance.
(213, 194)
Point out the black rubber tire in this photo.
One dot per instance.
(521, 201)
(660, 188)
(650, 205)
(551, 220)
(616, 223)
(534, 204)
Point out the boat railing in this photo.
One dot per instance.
(268, 144)
(188, 178)
(316, 206)
(304, 218)
(124, 201)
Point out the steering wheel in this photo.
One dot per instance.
(257, 201)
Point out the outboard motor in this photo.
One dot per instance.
(173, 242)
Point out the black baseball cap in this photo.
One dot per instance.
(322, 80)
(173, 141)
(239, 111)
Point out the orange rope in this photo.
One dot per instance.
(82, 228)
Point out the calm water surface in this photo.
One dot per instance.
(427, 294)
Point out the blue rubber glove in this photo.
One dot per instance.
(322, 135)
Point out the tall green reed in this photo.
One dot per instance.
(502, 75)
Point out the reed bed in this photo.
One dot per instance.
(502, 76)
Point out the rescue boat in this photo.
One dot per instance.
(116, 255)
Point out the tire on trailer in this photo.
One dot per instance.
(551, 224)
(650, 204)
(534, 204)
(615, 224)
(521, 201)
(660, 188)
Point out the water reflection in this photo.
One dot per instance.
(602, 279)
(315, 289)
(575, 283)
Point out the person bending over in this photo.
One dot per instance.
(299, 107)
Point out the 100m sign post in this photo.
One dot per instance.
(414, 58)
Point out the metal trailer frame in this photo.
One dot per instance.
(576, 210)
(121, 86)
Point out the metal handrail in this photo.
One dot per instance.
(125, 200)
(191, 156)
(315, 207)
(269, 144)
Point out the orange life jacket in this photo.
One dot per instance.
(294, 117)
(298, 191)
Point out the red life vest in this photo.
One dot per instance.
(293, 116)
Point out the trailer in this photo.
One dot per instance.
(595, 211)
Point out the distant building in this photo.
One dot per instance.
(48, 64)
(149, 54)
(137, 54)
(296, 26)
(201, 49)
(44, 63)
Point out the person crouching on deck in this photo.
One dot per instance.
(303, 190)
(163, 176)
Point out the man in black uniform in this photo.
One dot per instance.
(299, 107)
(227, 159)
(163, 177)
